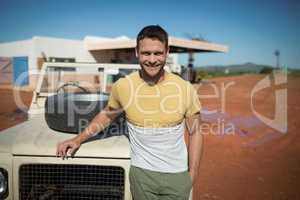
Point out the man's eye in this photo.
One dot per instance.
(158, 53)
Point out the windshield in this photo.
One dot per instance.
(75, 78)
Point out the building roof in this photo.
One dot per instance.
(177, 45)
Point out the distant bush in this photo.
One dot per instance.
(201, 74)
(223, 74)
(216, 73)
(266, 70)
(294, 72)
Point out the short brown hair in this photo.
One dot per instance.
(154, 32)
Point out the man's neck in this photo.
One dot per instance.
(152, 80)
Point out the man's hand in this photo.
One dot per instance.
(193, 176)
(100, 121)
(68, 147)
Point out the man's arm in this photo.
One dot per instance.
(195, 144)
(100, 121)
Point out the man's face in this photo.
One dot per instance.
(152, 55)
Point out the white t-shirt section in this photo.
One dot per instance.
(158, 149)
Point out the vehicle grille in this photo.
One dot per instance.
(53, 181)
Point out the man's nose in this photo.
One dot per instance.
(152, 58)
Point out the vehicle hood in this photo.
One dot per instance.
(35, 138)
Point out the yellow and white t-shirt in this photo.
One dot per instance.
(155, 117)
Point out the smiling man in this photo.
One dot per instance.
(158, 106)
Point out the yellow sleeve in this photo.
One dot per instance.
(193, 103)
(113, 101)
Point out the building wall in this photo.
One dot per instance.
(50, 47)
(14, 49)
(62, 48)
(6, 72)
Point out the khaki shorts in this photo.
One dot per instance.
(150, 185)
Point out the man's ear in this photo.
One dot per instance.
(136, 52)
(168, 49)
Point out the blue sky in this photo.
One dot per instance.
(252, 29)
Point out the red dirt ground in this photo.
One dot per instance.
(10, 114)
(256, 162)
(253, 162)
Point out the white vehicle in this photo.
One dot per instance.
(29, 168)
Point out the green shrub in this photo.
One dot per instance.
(266, 70)
(201, 74)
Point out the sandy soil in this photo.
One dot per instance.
(256, 162)
(10, 113)
(244, 160)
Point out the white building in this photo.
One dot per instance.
(27, 56)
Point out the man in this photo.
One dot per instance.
(157, 105)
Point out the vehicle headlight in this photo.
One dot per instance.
(3, 183)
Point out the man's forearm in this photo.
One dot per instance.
(195, 144)
(101, 120)
(195, 152)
